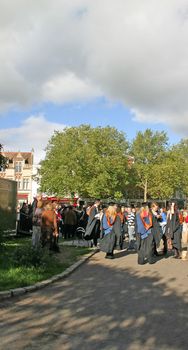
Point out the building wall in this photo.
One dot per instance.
(8, 202)
(20, 168)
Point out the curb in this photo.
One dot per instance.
(39, 285)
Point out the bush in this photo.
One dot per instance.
(1, 238)
(31, 257)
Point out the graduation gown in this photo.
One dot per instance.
(174, 230)
(93, 225)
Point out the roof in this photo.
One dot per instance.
(16, 155)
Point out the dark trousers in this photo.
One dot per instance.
(69, 231)
(47, 238)
(145, 250)
(96, 233)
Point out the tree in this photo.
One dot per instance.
(168, 176)
(89, 161)
(3, 160)
(180, 150)
(148, 149)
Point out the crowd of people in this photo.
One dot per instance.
(110, 227)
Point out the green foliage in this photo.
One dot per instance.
(3, 160)
(93, 162)
(148, 149)
(1, 239)
(149, 146)
(180, 151)
(86, 160)
(159, 169)
(21, 265)
(28, 256)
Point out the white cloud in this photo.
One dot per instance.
(67, 88)
(129, 50)
(34, 133)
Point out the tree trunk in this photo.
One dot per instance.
(145, 190)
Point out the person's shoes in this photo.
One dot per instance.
(156, 253)
(141, 262)
(151, 262)
(177, 257)
(109, 256)
(130, 249)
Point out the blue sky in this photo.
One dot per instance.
(97, 112)
(103, 62)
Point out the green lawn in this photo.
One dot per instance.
(20, 266)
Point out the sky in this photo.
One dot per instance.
(63, 63)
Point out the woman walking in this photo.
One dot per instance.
(144, 235)
(110, 229)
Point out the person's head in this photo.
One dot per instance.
(122, 208)
(154, 206)
(54, 204)
(111, 211)
(39, 204)
(172, 205)
(97, 202)
(163, 210)
(38, 197)
(48, 206)
(144, 210)
(137, 207)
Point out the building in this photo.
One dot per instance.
(20, 168)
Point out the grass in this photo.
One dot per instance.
(17, 269)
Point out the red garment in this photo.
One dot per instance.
(121, 215)
(145, 215)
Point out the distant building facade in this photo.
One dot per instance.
(20, 168)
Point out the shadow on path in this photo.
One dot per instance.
(98, 307)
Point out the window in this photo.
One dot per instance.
(18, 167)
(19, 184)
(25, 183)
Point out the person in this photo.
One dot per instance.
(24, 218)
(83, 218)
(49, 231)
(185, 228)
(163, 213)
(157, 230)
(144, 236)
(124, 210)
(110, 230)
(119, 239)
(37, 222)
(131, 227)
(30, 217)
(173, 230)
(93, 226)
(56, 208)
(70, 222)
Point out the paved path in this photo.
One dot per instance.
(104, 305)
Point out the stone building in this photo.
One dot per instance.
(20, 168)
